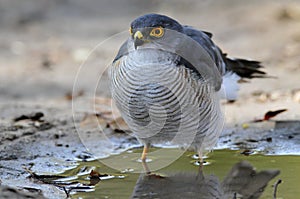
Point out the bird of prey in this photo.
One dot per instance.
(167, 81)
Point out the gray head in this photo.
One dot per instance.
(151, 27)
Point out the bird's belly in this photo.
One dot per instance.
(165, 103)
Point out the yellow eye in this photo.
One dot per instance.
(130, 31)
(157, 32)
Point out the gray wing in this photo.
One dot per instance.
(242, 67)
(204, 39)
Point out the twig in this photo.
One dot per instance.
(67, 192)
(275, 188)
(66, 187)
(47, 179)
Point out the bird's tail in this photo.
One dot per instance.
(245, 68)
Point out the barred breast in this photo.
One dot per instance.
(164, 102)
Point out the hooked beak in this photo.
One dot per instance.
(138, 39)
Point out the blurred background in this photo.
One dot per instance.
(44, 42)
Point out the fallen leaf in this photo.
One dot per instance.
(258, 120)
(70, 96)
(271, 114)
(94, 174)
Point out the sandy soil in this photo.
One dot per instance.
(43, 44)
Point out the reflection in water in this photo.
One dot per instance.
(242, 181)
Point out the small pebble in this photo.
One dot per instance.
(269, 139)
(263, 97)
(276, 95)
(245, 125)
(128, 170)
(58, 144)
(296, 96)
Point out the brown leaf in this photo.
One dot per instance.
(271, 114)
(258, 120)
(70, 96)
(94, 174)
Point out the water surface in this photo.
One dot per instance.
(121, 184)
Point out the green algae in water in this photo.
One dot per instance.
(121, 184)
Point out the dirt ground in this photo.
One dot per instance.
(44, 43)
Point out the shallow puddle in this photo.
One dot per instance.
(223, 173)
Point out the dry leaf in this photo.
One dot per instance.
(70, 96)
(271, 114)
(94, 174)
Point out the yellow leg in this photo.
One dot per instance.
(144, 157)
(145, 151)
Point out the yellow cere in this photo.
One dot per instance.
(157, 32)
(130, 31)
(138, 35)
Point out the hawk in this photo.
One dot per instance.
(167, 81)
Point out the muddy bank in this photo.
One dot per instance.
(51, 144)
(47, 144)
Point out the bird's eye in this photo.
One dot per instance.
(130, 31)
(157, 32)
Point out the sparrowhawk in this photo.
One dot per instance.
(167, 80)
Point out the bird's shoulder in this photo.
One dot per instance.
(201, 36)
(196, 33)
(204, 38)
